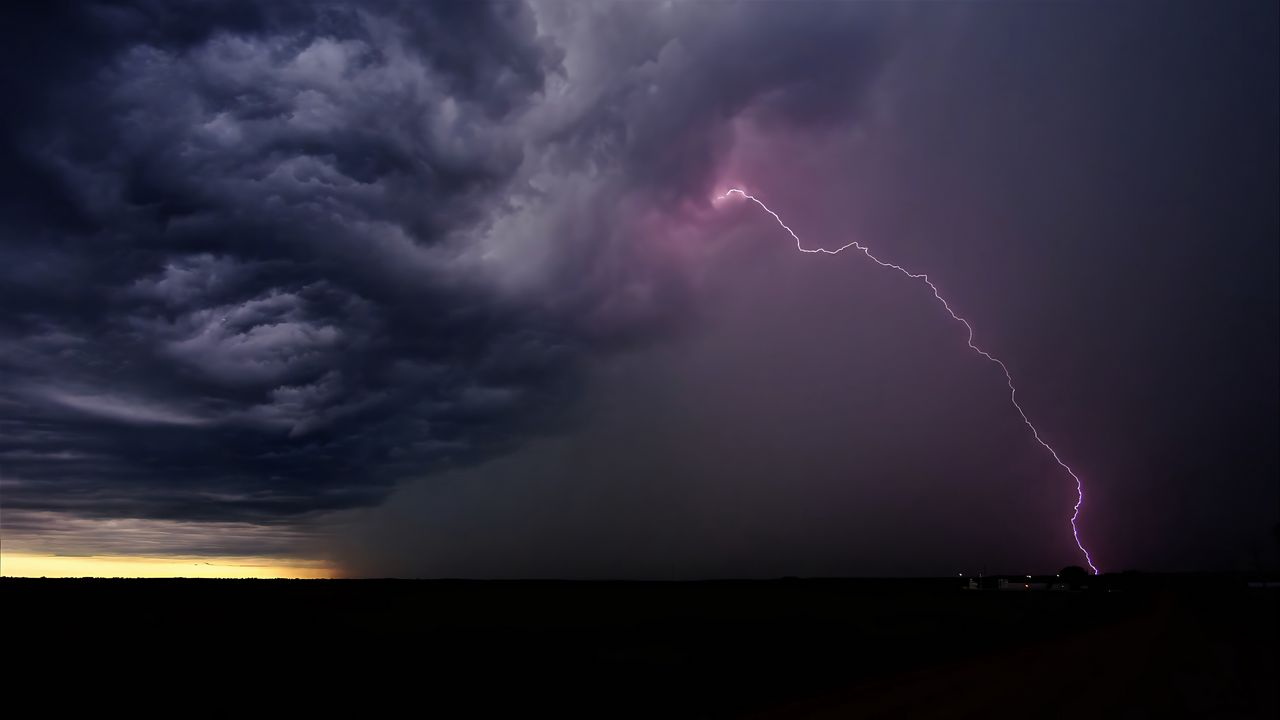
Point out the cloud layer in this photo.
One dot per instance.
(264, 260)
(262, 263)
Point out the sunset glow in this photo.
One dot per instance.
(64, 566)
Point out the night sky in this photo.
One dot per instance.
(440, 289)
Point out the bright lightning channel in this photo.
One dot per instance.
(1013, 391)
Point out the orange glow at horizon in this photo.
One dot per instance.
(112, 566)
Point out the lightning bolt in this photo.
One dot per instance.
(1013, 391)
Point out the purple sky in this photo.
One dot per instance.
(439, 289)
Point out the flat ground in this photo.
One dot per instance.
(1165, 647)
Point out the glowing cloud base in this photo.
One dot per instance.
(1013, 391)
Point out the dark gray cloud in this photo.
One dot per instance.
(227, 303)
(264, 260)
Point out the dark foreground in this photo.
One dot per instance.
(1166, 647)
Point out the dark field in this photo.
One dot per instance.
(1165, 647)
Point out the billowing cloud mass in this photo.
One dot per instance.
(438, 287)
(267, 259)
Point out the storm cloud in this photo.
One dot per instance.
(264, 260)
(439, 288)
